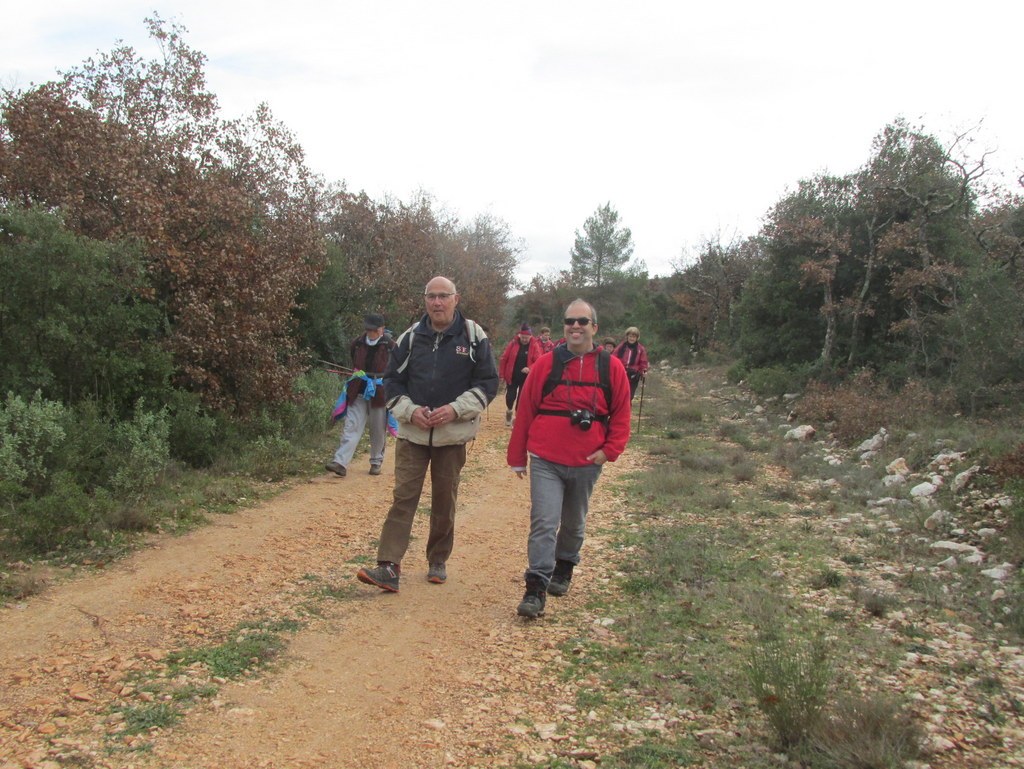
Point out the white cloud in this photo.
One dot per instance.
(689, 120)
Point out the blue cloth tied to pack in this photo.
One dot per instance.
(369, 390)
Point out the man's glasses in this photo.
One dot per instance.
(435, 297)
(574, 321)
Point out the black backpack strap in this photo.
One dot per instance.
(555, 377)
(604, 375)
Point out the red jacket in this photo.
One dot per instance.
(635, 362)
(553, 437)
(508, 357)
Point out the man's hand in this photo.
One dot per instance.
(421, 418)
(441, 416)
(598, 457)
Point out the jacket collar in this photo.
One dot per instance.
(424, 327)
(565, 355)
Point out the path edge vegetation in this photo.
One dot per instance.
(734, 621)
(739, 626)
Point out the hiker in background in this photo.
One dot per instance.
(439, 380)
(608, 343)
(546, 342)
(573, 417)
(519, 355)
(364, 396)
(634, 357)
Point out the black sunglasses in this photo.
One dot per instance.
(573, 321)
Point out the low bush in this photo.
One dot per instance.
(776, 381)
(195, 435)
(864, 732)
(860, 405)
(31, 433)
(142, 451)
(791, 677)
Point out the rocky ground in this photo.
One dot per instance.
(432, 676)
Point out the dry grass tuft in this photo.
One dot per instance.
(859, 406)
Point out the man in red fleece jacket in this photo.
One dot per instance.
(568, 434)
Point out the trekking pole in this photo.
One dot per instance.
(640, 411)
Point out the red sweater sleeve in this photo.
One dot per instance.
(620, 412)
(529, 402)
(508, 359)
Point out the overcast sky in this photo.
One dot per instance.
(690, 121)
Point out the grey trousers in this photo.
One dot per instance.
(559, 501)
(357, 417)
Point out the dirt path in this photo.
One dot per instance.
(432, 676)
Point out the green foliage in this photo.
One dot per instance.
(890, 267)
(250, 647)
(195, 434)
(144, 451)
(30, 434)
(790, 677)
(142, 719)
(986, 333)
(62, 516)
(778, 321)
(649, 755)
(826, 578)
(602, 250)
(75, 325)
(776, 381)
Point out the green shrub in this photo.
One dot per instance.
(790, 678)
(140, 719)
(737, 372)
(775, 381)
(826, 578)
(144, 451)
(316, 392)
(64, 516)
(272, 458)
(195, 436)
(30, 435)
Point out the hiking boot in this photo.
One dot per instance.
(385, 576)
(437, 573)
(560, 579)
(532, 605)
(508, 418)
(335, 468)
(374, 469)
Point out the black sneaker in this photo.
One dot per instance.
(374, 469)
(560, 579)
(437, 573)
(335, 468)
(532, 605)
(385, 576)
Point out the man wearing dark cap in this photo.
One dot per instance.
(519, 355)
(369, 353)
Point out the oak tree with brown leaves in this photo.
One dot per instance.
(131, 148)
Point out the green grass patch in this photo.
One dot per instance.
(146, 717)
(650, 755)
(249, 647)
